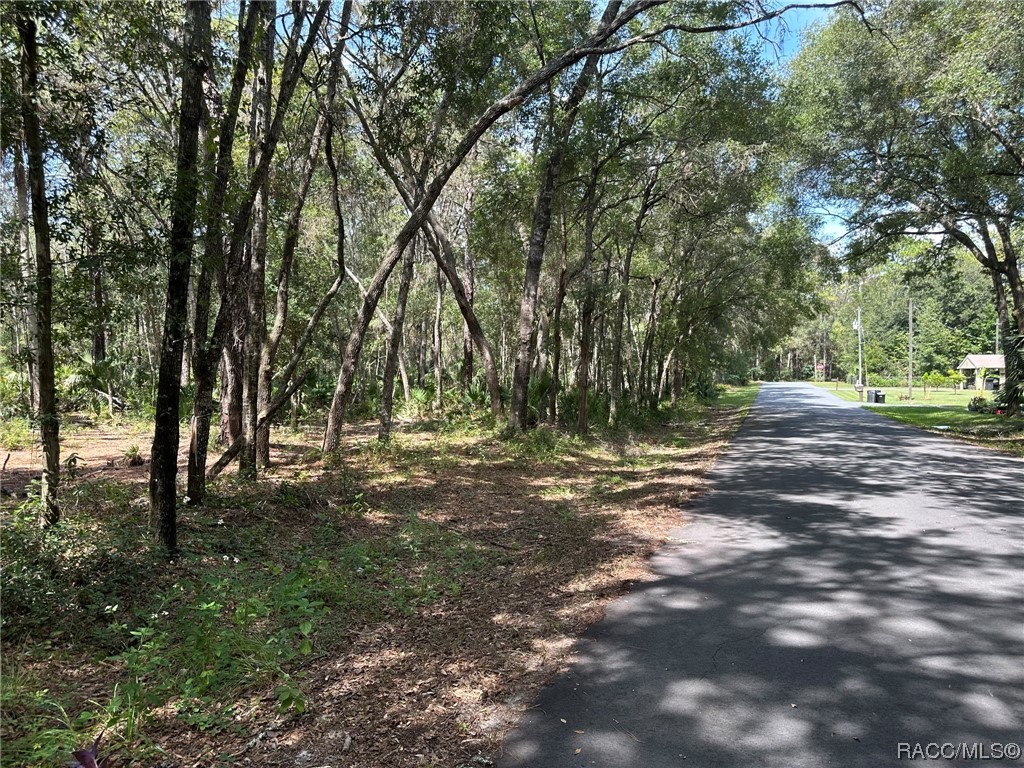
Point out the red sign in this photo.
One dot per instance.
(820, 367)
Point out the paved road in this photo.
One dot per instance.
(848, 585)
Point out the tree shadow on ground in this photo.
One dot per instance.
(849, 584)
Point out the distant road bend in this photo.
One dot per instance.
(850, 590)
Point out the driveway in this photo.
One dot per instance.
(850, 591)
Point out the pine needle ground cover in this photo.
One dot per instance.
(398, 605)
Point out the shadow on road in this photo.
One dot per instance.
(849, 584)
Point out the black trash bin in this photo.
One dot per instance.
(880, 397)
(871, 395)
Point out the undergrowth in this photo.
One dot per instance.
(237, 612)
(272, 575)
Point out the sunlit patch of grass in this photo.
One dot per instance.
(893, 395)
(271, 573)
(557, 492)
(544, 444)
(605, 483)
(737, 397)
(1000, 432)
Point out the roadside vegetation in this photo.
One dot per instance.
(353, 352)
(900, 397)
(953, 413)
(999, 432)
(405, 599)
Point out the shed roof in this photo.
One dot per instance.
(974, 362)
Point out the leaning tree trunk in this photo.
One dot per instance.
(469, 286)
(440, 246)
(164, 457)
(539, 233)
(255, 329)
(610, 23)
(49, 420)
(438, 361)
(394, 349)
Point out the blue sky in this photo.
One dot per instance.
(781, 41)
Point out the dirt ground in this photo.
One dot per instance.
(441, 686)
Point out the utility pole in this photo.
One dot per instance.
(996, 350)
(910, 350)
(860, 357)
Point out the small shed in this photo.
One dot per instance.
(983, 372)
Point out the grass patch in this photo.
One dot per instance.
(935, 397)
(737, 397)
(999, 432)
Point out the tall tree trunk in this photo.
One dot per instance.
(207, 353)
(394, 349)
(1011, 268)
(677, 381)
(621, 304)
(164, 456)
(230, 396)
(421, 352)
(469, 286)
(438, 361)
(1002, 309)
(189, 350)
(269, 352)
(539, 231)
(646, 350)
(255, 330)
(25, 249)
(587, 310)
(226, 257)
(49, 419)
(99, 336)
(556, 328)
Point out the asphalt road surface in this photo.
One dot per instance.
(851, 591)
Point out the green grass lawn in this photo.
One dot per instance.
(945, 412)
(737, 397)
(892, 395)
(986, 429)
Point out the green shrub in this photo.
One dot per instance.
(15, 434)
(1012, 395)
(980, 405)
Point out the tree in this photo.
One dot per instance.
(49, 419)
(164, 456)
(912, 128)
